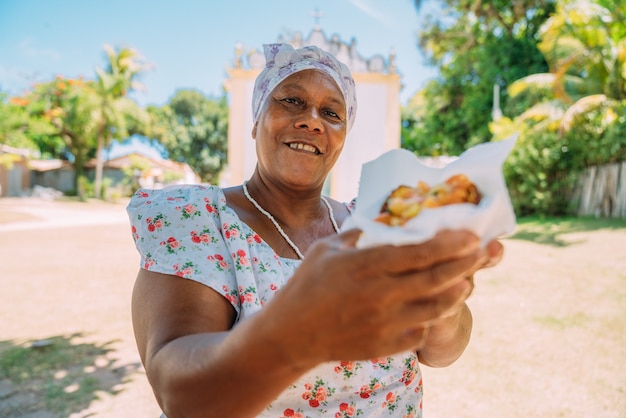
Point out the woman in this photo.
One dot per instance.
(277, 313)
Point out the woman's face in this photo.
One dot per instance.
(301, 130)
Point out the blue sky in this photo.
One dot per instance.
(190, 43)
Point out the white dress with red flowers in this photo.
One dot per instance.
(189, 231)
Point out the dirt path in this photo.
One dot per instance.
(549, 336)
(69, 268)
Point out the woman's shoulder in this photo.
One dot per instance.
(176, 195)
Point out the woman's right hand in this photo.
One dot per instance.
(345, 303)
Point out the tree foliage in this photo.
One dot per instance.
(474, 45)
(587, 39)
(63, 109)
(14, 123)
(194, 128)
(561, 69)
(575, 114)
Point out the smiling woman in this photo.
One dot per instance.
(310, 102)
(252, 292)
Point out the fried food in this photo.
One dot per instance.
(407, 202)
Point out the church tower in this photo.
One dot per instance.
(376, 128)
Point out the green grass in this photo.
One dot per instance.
(552, 231)
(53, 374)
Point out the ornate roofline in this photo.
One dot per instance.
(345, 52)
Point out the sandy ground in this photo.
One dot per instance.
(549, 338)
(69, 268)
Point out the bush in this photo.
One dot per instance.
(598, 136)
(537, 175)
(542, 170)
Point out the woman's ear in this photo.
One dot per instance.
(254, 130)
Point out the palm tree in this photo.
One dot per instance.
(584, 43)
(113, 85)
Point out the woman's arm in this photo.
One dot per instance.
(196, 364)
(448, 337)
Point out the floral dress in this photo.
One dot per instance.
(190, 232)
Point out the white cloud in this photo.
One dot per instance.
(372, 12)
(28, 49)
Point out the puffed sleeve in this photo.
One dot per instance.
(177, 231)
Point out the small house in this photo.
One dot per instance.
(14, 171)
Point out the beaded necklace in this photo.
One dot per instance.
(279, 229)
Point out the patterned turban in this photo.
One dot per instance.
(282, 60)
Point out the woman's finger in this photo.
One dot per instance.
(495, 251)
(427, 283)
(445, 246)
(445, 304)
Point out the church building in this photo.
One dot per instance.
(375, 131)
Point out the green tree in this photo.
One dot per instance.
(576, 112)
(63, 108)
(20, 129)
(14, 122)
(587, 39)
(193, 128)
(584, 43)
(474, 45)
(115, 109)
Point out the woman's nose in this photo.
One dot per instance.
(310, 119)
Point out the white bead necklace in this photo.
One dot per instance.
(278, 228)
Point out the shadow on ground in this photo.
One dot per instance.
(57, 376)
(553, 231)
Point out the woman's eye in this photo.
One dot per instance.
(291, 100)
(332, 114)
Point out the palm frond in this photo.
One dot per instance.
(583, 105)
(552, 111)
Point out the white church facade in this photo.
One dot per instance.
(377, 124)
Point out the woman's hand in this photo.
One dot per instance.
(345, 303)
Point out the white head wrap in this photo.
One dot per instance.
(282, 60)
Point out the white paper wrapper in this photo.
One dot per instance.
(493, 217)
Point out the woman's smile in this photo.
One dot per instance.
(304, 147)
